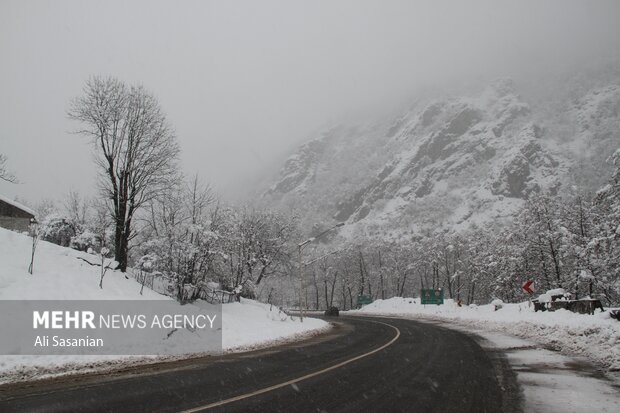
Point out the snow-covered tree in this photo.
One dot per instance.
(135, 150)
(604, 248)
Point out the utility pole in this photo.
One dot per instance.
(300, 247)
(301, 281)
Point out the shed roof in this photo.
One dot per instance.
(17, 205)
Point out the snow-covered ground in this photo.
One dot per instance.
(596, 337)
(554, 383)
(59, 274)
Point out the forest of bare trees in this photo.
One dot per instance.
(570, 241)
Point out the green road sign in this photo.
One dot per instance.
(431, 296)
(363, 300)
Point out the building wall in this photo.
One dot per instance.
(15, 224)
(14, 218)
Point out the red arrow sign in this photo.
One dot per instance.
(527, 287)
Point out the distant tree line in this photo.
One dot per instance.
(569, 241)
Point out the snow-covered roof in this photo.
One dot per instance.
(17, 205)
(556, 291)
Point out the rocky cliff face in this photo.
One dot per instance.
(449, 162)
(299, 170)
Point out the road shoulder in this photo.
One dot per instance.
(137, 366)
(547, 381)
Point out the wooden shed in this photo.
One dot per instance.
(14, 216)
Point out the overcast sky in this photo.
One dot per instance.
(243, 81)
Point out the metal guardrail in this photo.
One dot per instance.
(216, 296)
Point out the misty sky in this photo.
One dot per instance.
(243, 82)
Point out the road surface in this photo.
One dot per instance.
(364, 364)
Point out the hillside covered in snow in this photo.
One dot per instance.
(450, 161)
(61, 273)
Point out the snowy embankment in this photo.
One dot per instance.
(596, 337)
(60, 274)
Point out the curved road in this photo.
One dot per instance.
(364, 364)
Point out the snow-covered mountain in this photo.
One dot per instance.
(454, 161)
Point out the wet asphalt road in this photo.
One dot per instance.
(425, 369)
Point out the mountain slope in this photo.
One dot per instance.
(452, 162)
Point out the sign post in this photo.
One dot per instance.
(362, 300)
(431, 296)
(529, 289)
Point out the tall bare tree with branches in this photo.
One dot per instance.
(135, 149)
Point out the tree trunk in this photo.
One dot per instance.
(401, 291)
(350, 297)
(331, 296)
(361, 275)
(543, 263)
(381, 277)
(316, 289)
(326, 296)
(470, 299)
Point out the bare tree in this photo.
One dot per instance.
(135, 149)
(76, 207)
(100, 222)
(5, 174)
(199, 197)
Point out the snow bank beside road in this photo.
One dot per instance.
(596, 337)
(250, 324)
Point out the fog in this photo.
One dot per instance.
(243, 82)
